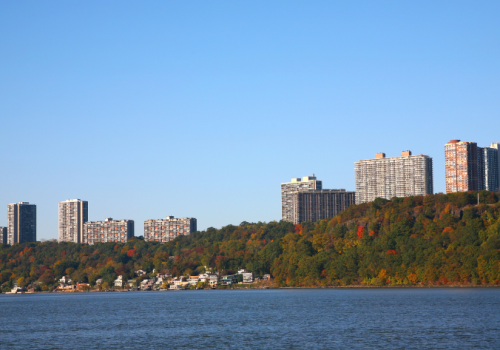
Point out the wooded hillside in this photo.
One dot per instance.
(436, 239)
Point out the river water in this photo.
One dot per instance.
(448, 318)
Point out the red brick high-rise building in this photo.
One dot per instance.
(461, 161)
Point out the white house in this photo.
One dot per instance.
(247, 277)
(65, 279)
(119, 282)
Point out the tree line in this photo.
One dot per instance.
(436, 239)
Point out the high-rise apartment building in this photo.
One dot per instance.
(3, 235)
(471, 168)
(165, 230)
(488, 163)
(296, 185)
(461, 166)
(21, 226)
(315, 205)
(108, 230)
(73, 213)
(403, 176)
(496, 146)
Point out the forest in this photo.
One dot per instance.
(441, 239)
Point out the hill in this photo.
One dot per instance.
(433, 240)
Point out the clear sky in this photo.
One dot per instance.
(202, 108)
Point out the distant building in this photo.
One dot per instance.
(318, 205)
(119, 282)
(461, 166)
(108, 230)
(229, 280)
(471, 168)
(3, 235)
(488, 167)
(246, 276)
(403, 176)
(165, 230)
(73, 213)
(296, 185)
(496, 145)
(21, 218)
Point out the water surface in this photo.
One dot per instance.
(460, 318)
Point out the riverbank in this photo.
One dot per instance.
(458, 286)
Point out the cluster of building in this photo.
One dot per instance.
(468, 168)
(472, 168)
(212, 279)
(153, 281)
(306, 200)
(75, 227)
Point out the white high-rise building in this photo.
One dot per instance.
(73, 213)
(383, 177)
(296, 185)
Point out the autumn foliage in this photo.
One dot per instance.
(432, 240)
(360, 231)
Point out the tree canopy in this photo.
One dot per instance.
(437, 240)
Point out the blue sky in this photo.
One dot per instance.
(202, 109)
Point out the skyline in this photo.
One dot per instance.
(200, 110)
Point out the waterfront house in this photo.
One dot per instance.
(247, 277)
(180, 281)
(193, 280)
(229, 280)
(213, 280)
(65, 280)
(176, 287)
(204, 277)
(119, 282)
(147, 284)
(63, 287)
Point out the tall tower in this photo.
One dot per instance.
(462, 166)
(488, 168)
(408, 175)
(495, 146)
(3, 235)
(296, 185)
(73, 213)
(21, 227)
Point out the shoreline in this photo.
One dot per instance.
(268, 288)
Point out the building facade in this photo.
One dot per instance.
(165, 230)
(21, 227)
(407, 175)
(3, 235)
(108, 230)
(296, 185)
(488, 168)
(496, 146)
(73, 213)
(315, 205)
(461, 166)
(471, 168)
